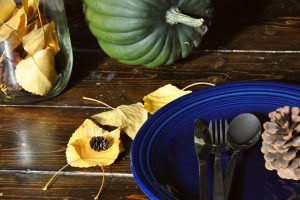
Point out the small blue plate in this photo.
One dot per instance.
(163, 158)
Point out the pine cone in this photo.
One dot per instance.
(281, 142)
(99, 143)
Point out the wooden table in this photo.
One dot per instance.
(249, 40)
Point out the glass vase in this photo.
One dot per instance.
(36, 55)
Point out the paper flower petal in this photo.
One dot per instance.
(162, 96)
(7, 9)
(80, 154)
(41, 38)
(14, 29)
(37, 74)
(129, 118)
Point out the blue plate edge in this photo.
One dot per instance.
(135, 146)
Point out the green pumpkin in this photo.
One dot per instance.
(148, 32)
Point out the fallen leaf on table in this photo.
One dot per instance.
(162, 96)
(41, 38)
(30, 7)
(7, 10)
(37, 74)
(14, 29)
(129, 118)
(79, 152)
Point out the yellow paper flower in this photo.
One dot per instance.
(162, 96)
(79, 152)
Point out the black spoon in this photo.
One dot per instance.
(243, 132)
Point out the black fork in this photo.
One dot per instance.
(218, 136)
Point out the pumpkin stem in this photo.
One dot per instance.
(174, 16)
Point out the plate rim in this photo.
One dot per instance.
(235, 87)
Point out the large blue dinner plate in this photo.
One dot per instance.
(163, 160)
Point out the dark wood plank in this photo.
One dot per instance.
(29, 186)
(237, 24)
(103, 78)
(249, 40)
(255, 25)
(36, 139)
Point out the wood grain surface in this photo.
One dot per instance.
(67, 187)
(248, 40)
(98, 76)
(237, 25)
(33, 140)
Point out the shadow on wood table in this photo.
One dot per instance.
(231, 18)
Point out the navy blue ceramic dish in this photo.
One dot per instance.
(163, 160)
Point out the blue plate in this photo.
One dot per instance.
(163, 160)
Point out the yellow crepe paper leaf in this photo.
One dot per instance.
(13, 30)
(7, 10)
(162, 96)
(30, 7)
(37, 74)
(80, 154)
(129, 118)
(41, 38)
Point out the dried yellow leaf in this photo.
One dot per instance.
(7, 10)
(30, 7)
(40, 20)
(129, 118)
(41, 38)
(25, 5)
(13, 30)
(79, 152)
(162, 96)
(37, 74)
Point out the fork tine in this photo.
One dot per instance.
(221, 132)
(210, 130)
(216, 133)
(226, 129)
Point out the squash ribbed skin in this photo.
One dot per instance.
(135, 32)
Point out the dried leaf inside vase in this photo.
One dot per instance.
(37, 74)
(41, 38)
(28, 29)
(7, 10)
(30, 7)
(14, 29)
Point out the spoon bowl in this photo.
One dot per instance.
(243, 132)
